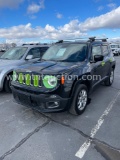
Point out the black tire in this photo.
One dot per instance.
(110, 79)
(7, 84)
(74, 109)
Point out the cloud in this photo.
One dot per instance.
(17, 41)
(10, 3)
(34, 8)
(116, 39)
(59, 15)
(49, 32)
(108, 20)
(100, 8)
(112, 5)
(73, 29)
(33, 16)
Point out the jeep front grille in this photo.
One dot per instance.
(29, 80)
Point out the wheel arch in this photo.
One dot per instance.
(78, 82)
(6, 75)
(113, 67)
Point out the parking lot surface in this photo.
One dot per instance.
(26, 134)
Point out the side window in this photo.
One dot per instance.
(35, 52)
(96, 50)
(105, 50)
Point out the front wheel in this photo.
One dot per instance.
(7, 84)
(110, 79)
(80, 100)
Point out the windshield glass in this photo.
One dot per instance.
(114, 46)
(14, 53)
(66, 52)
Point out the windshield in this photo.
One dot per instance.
(114, 46)
(14, 53)
(66, 52)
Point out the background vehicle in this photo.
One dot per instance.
(115, 49)
(1, 53)
(65, 77)
(2, 50)
(15, 57)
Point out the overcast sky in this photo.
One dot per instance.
(26, 20)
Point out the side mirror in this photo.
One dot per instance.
(29, 57)
(98, 58)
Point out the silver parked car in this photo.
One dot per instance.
(15, 57)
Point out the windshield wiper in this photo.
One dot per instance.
(5, 58)
(53, 60)
(42, 60)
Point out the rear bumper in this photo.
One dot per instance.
(40, 102)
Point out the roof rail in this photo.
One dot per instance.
(29, 44)
(34, 44)
(90, 39)
(60, 41)
(103, 39)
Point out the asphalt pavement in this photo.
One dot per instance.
(26, 134)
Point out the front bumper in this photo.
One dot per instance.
(40, 102)
(115, 52)
(1, 81)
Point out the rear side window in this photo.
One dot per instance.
(105, 50)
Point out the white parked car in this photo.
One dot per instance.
(115, 49)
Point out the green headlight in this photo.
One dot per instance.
(50, 82)
(14, 76)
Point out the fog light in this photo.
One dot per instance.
(53, 96)
(52, 104)
(56, 103)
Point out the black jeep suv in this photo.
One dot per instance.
(65, 76)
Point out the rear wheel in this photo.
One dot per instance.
(110, 79)
(7, 84)
(80, 100)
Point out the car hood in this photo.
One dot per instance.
(9, 63)
(49, 67)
